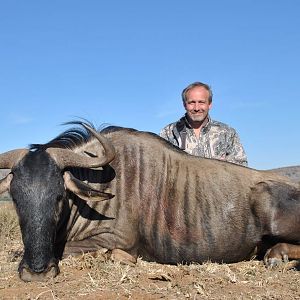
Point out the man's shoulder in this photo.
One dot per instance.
(172, 125)
(167, 131)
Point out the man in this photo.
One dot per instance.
(197, 134)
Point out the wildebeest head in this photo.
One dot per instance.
(37, 184)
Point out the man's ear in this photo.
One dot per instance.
(83, 190)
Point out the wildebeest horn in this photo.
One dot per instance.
(11, 158)
(67, 158)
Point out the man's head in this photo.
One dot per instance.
(197, 101)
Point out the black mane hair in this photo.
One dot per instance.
(68, 139)
(78, 136)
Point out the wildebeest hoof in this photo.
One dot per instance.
(122, 257)
(276, 255)
(272, 262)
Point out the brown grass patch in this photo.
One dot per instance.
(89, 277)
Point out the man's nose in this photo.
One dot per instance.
(197, 107)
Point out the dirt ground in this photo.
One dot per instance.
(87, 277)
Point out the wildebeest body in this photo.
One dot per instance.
(167, 206)
(169, 210)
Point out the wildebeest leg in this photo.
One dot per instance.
(281, 252)
(76, 248)
(116, 255)
(80, 247)
(278, 205)
(123, 257)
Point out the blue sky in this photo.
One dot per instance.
(126, 62)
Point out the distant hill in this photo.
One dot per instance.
(292, 172)
(3, 172)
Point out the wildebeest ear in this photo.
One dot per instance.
(83, 190)
(5, 183)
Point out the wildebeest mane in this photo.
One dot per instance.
(111, 129)
(69, 139)
(78, 136)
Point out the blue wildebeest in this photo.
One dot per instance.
(159, 202)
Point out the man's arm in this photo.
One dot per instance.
(164, 133)
(235, 152)
(168, 134)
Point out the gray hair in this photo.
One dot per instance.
(197, 84)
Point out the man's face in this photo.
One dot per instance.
(197, 104)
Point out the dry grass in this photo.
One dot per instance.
(9, 226)
(89, 277)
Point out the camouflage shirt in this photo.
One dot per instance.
(217, 140)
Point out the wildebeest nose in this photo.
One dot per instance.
(38, 274)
